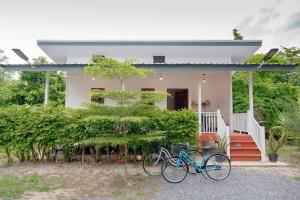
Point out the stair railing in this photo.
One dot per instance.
(223, 131)
(208, 122)
(258, 134)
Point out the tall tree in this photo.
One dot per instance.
(237, 35)
(29, 89)
(274, 92)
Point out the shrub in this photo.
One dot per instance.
(139, 125)
(36, 133)
(101, 125)
(179, 126)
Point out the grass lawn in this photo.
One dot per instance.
(13, 187)
(288, 153)
(74, 181)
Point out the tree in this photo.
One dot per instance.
(30, 88)
(237, 35)
(110, 69)
(274, 92)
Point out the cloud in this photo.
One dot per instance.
(293, 21)
(260, 23)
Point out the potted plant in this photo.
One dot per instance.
(221, 145)
(275, 144)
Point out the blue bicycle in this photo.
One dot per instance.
(174, 170)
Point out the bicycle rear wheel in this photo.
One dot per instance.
(174, 170)
(152, 164)
(218, 166)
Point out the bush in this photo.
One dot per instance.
(36, 133)
(179, 126)
(101, 125)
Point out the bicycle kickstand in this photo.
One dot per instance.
(203, 175)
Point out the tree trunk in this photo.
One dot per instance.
(82, 153)
(9, 160)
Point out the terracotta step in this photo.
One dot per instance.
(246, 157)
(245, 151)
(241, 138)
(242, 144)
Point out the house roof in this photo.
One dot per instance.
(64, 51)
(179, 67)
(151, 42)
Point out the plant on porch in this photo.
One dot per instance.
(277, 138)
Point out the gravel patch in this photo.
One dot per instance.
(243, 183)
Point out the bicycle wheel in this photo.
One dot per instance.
(174, 170)
(152, 164)
(197, 157)
(217, 166)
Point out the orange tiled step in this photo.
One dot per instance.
(245, 151)
(243, 148)
(242, 157)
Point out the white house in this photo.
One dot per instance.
(197, 73)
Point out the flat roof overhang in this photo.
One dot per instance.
(183, 67)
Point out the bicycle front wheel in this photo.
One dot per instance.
(174, 170)
(152, 164)
(218, 166)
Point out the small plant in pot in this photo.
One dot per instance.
(221, 147)
(276, 144)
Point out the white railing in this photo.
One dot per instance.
(239, 122)
(223, 131)
(258, 134)
(245, 122)
(209, 122)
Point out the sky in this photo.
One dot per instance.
(276, 22)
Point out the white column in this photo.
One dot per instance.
(199, 104)
(47, 88)
(231, 101)
(251, 94)
(263, 143)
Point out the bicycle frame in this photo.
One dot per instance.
(200, 167)
(166, 152)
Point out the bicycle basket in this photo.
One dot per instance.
(154, 147)
(175, 149)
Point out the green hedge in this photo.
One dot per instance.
(33, 133)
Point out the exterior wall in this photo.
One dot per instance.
(216, 89)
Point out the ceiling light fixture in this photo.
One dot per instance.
(203, 80)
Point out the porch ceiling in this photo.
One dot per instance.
(180, 67)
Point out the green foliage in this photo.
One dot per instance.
(237, 35)
(30, 88)
(179, 126)
(274, 92)
(276, 144)
(130, 97)
(35, 133)
(101, 125)
(130, 139)
(110, 69)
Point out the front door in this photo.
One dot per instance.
(178, 99)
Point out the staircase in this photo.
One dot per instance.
(243, 148)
